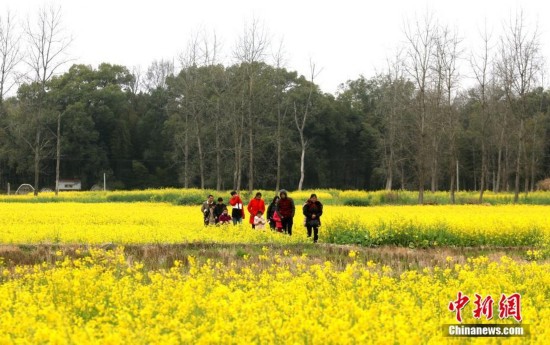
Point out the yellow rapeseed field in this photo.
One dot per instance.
(284, 299)
(121, 223)
(104, 297)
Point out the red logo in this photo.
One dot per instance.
(458, 305)
(508, 306)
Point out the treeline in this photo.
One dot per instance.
(255, 124)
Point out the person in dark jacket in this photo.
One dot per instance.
(313, 209)
(286, 211)
(271, 209)
(218, 209)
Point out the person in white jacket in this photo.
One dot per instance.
(259, 221)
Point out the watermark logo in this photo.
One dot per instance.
(487, 330)
(509, 307)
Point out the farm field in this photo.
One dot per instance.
(150, 272)
(414, 226)
(328, 196)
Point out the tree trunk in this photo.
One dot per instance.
(533, 161)
(279, 147)
(457, 177)
(505, 169)
(483, 171)
(452, 188)
(389, 174)
(499, 169)
(302, 161)
(58, 154)
(434, 175)
(251, 159)
(186, 154)
(402, 177)
(532, 188)
(201, 160)
(421, 194)
(36, 162)
(238, 156)
(518, 162)
(218, 159)
(421, 187)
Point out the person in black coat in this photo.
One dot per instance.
(313, 209)
(218, 209)
(271, 209)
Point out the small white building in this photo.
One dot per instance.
(70, 185)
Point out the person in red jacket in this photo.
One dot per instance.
(286, 211)
(238, 211)
(255, 205)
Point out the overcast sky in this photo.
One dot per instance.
(345, 38)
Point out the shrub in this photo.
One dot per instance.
(544, 185)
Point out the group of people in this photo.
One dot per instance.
(279, 215)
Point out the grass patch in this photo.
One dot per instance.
(163, 256)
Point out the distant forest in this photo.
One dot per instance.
(197, 122)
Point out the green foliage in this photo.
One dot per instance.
(344, 231)
(238, 115)
(357, 202)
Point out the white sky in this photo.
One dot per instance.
(345, 38)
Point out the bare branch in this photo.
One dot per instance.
(48, 44)
(10, 54)
(252, 45)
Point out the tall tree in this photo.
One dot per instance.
(420, 52)
(48, 45)
(481, 64)
(301, 113)
(519, 67)
(395, 95)
(282, 81)
(10, 54)
(448, 54)
(250, 52)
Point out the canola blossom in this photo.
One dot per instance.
(134, 223)
(190, 196)
(106, 298)
(462, 225)
(122, 223)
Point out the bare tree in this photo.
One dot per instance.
(137, 82)
(448, 54)
(214, 95)
(198, 103)
(182, 133)
(420, 53)
(48, 44)
(281, 85)
(519, 66)
(191, 82)
(10, 54)
(250, 51)
(9, 58)
(481, 65)
(157, 73)
(392, 108)
(300, 119)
